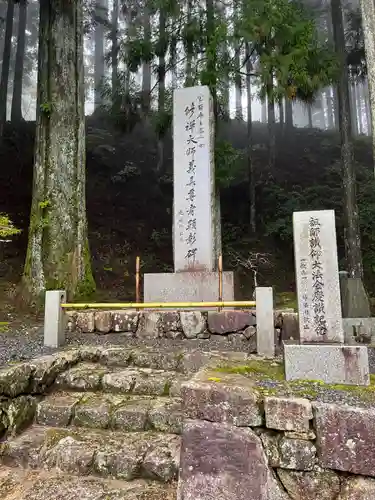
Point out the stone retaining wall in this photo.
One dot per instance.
(299, 449)
(232, 325)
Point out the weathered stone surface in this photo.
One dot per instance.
(228, 321)
(270, 441)
(357, 488)
(346, 438)
(204, 335)
(69, 454)
(288, 414)
(162, 460)
(116, 356)
(149, 325)
(103, 321)
(46, 368)
(237, 339)
(83, 377)
(174, 335)
(223, 462)
(17, 413)
(297, 454)
(307, 436)
(289, 326)
(94, 410)
(15, 380)
(120, 381)
(228, 401)
(314, 485)
(125, 321)
(23, 450)
(85, 321)
(166, 415)
(153, 382)
(32, 485)
(71, 319)
(159, 359)
(132, 415)
(192, 323)
(249, 332)
(57, 409)
(169, 321)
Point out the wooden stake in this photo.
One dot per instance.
(137, 267)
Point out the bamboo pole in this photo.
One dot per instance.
(158, 305)
(137, 267)
(220, 268)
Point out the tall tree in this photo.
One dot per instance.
(99, 36)
(368, 23)
(58, 251)
(146, 64)
(16, 113)
(352, 230)
(237, 57)
(5, 65)
(114, 54)
(249, 143)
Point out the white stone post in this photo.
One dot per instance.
(265, 321)
(54, 328)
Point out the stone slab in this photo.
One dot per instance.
(346, 438)
(187, 287)
(315, 251)
(331, 363)
(194, 206)
(265, 321)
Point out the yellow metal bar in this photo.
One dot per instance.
(158, 305)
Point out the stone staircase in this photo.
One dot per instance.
(106, 428)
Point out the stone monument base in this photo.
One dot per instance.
(199, 286)
(331, 363)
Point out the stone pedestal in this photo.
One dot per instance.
(200, 286)
(331, 363)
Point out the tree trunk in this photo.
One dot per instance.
(263, 116)
(352, 233)
(58, 252)
(189, 48)
(368, 25)
(271, 127)
(146, 65)
(16, 113)
(353, 109)
(211, 56)
(309, 115)
(366, 99)
(114, 55)
(249, 149)
(281, 113)
(5, 65)
(237, 64)
(100, 20)
(330, 115)
(161, 86)
(288, 114)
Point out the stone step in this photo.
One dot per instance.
(17, 484)
(87, 452)
(131, 380)
(127, 413)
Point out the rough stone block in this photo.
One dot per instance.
(331, 363)
(187, 287)
(103, 321)
(297, 454)
(289, 326)
(288, 414)
(358, 488)
(317, 484)
(125, 321)
(346, 438)
(149, 325)
(228, 321)
(85, 321)
(226, 402)
(359, 328)
(169, 321)
(224, 462)
(193, 323)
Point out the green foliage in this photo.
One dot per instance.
(228, 163)
(7, 228)
(46, 109)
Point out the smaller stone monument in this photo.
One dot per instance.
(196, 230)
(321, 353)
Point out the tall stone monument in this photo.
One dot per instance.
(321, 353)
(196, 228)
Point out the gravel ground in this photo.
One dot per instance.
(20, 346)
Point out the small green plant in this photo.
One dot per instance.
(7, 228)
(46, 109)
